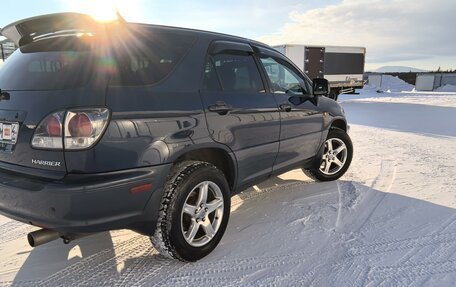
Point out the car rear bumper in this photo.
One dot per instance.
(84, 203)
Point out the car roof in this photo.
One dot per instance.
(202, 33)
(25, 30)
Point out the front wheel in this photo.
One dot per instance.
(336, 158)
(194, 213)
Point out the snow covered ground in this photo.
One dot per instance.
(390, 221)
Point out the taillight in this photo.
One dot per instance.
(48, 134)
(81, 130)
(54, 126)
(84, 127)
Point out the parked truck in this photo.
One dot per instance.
(342, 66)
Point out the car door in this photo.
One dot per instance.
(301, 117)
(239, 112)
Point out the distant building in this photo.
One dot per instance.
(432, 81)
(426, 81)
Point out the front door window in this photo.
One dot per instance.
(283, 79)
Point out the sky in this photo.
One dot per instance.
(419, 34)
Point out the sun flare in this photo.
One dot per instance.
(106, 10)
(103, 10)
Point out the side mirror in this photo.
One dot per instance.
(320, 87)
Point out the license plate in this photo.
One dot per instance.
(9, 132)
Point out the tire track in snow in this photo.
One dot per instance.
(339, 209)
(384, 180)
(13, 230)
(411, 271)
(243, 197)
(358, 273)
(82, 271)
(339, 271)
(148, 268)
(235, 270)
(401, 244)
(439, 241)
(421, 254)
(183, 274)
(371, 224)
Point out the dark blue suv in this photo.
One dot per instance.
(152, 128)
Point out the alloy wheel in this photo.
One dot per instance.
(334, 156)
(202, 213)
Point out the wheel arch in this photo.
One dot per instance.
(218, 156)
(339, 123)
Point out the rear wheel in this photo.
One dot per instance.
(336, 157)
(194, 213)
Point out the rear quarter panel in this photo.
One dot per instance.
(152, 123)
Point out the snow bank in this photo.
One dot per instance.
(394, 84)
(371, 94)
(446, 88)
(390, 83)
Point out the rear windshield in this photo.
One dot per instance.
(50, 64)
(142, 57)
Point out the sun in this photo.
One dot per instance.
(106, 10)
(100, 10)
(103, 10)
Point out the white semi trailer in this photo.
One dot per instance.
(342, 66)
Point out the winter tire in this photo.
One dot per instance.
(194, 212)
(335, 159)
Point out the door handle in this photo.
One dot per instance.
(220, 108)
(285, 107)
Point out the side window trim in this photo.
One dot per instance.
(209, 59)
(228, 47)
(264, 76)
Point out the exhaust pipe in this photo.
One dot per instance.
(42, 236)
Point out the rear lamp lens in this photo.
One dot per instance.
(54, 126)
(81, 129)
(80, 126)
(48, 134)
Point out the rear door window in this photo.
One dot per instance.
(148, 58)
(238, 73)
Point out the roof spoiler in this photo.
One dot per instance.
(27, 30)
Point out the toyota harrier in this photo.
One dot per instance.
(117, 125)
